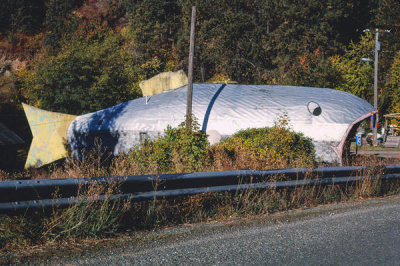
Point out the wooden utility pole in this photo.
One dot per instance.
(377, 49)
(190, 71)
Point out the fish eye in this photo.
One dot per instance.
(314, 108)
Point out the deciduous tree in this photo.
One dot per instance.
(357, 76)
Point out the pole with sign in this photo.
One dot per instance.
(358, 141)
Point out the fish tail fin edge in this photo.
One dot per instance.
(49, 132)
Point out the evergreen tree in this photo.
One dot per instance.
(388, 18)
(229, 38)
(21, 15)
(154, 27)
(58, 11)
(255, 41)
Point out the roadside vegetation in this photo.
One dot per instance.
(184, 150)
(266, 148)
(31, 233)
(80, 56)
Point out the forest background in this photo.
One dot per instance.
(80, 56)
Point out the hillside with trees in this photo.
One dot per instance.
(79, 56)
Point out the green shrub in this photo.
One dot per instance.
(265, 148)
(180, 150)
(187, 150)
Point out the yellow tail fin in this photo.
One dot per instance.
(49, 131)
(163, 82)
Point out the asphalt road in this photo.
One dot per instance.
(361, 233)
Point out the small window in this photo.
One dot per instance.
(314, 108)
(143, 136)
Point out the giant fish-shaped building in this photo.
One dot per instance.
(329, 117)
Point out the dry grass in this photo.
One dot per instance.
(89, 218)
(96, 219)
(221, 206)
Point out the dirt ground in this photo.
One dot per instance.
(382, 153)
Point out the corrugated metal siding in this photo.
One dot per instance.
(8, 137)
(224, 109)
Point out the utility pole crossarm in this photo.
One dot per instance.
(376, 30)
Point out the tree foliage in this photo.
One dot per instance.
(154, 25)
(80, 80)
(253, 40)
(57, 14)
(393, 85)
(311, 69)
(21, 15)
(387, 18)
(306, 42)
(357, 76)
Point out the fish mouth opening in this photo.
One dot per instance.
(343, 149)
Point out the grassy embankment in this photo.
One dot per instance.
(275, 147)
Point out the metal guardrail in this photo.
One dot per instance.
(23, 195)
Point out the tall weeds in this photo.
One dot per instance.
(96, 214)
(92, 218)
(183, 150)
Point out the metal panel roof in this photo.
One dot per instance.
(8, 137)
